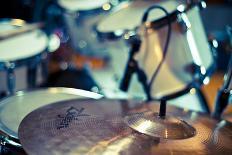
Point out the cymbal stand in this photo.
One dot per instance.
(223, 95)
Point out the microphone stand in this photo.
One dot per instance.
(132, 67)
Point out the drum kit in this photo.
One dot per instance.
(165, 40)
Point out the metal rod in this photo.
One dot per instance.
(223, 95)
(162, 111)
(11, 79)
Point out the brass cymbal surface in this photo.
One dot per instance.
(98, 127)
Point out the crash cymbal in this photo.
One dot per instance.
(98, 127)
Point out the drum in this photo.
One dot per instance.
(24, 49)
(80, 5)
(80, 17)
(189, 60)
(14, 108)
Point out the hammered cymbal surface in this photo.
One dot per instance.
(98, 127)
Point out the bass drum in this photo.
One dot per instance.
(14, 108)
(189, 61)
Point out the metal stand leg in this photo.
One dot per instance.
(162, 111)
(203, 101)
(44, 66)
(11, 79)
(31, 76)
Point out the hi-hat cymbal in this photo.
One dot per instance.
(98, 127)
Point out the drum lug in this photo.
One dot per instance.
(184, 23)
(9, 65)
(2, 141)
(202, 5)
(213, 44)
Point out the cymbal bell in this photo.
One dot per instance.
(153, 125)
(98, 127)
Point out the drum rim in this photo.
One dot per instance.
(82, 10)
(9, 136)
(4, 20)
(156, 24)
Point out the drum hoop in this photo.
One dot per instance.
(8, 134)
(156, 24)
(82, 12)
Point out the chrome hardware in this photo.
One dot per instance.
(184, 22)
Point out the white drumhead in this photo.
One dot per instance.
(128, 16)
(13, 109)
(81, 5)
(21, 46)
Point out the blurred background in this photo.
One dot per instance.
(216, 17)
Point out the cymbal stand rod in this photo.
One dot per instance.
(162, 110)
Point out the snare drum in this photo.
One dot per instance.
(14, 108)
(21, 50)
(188, 50)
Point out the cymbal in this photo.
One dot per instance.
(98, 127)
(228, 117)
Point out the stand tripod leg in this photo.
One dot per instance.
(203, 101)
(31, 76)
(11, 79)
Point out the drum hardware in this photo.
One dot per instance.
(132, 67)
(224, 93)
(10, 145)
(199, 70)
(184, 22)
(10, 76)
(72, 6)
(201, 4)
(26, 28)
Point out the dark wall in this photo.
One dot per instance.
(17, 9)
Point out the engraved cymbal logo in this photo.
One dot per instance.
(71, 114)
